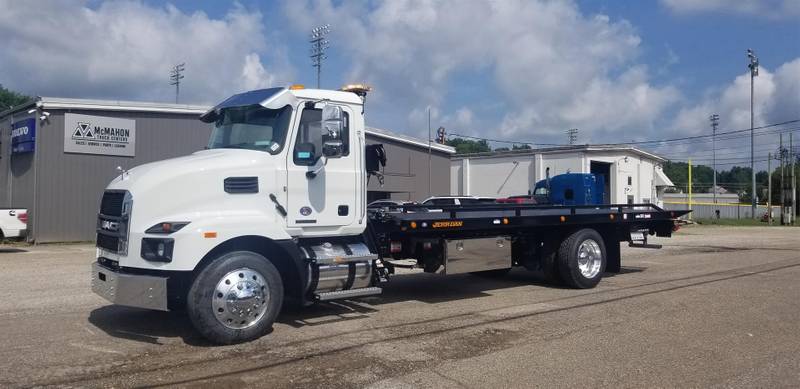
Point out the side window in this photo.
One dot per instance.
(310, 137)
(568, 194)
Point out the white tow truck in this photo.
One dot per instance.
(275, 209)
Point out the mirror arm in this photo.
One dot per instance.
(313, 173)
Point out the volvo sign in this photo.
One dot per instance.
(23, 136)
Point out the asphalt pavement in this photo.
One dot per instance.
(716, 307)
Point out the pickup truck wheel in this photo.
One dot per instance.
(236, 298)
(582, 259)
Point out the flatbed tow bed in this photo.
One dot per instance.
(492, 238)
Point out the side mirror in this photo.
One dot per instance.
(332, 121)
(333, 148)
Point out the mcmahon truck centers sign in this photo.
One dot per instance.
(99, 135)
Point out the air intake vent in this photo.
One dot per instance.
(241, 184)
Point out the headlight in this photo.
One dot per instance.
(157, 249)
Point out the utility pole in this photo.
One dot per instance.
(769, 188)
(318, 46)
(175, 77)
(782, 186)
(572, 135)
(429, 152)
(714, 123)
(753, 65)
(794, 181)
(690, 188)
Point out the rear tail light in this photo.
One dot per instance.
(23, 217)
(395, 247)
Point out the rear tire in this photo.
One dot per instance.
(236, 298)
(582, 259)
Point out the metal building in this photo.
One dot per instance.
(58, 154)
(631, 175)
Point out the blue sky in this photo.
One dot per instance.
(513, 70)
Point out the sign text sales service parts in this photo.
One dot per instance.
(99, 135)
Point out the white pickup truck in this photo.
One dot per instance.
(13, 223)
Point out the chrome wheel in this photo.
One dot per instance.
(240, 298)
(590, 258)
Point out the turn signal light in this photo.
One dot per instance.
(297, 87)
(563, 218)
(166, 227)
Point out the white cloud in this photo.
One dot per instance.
(776, 99)
(552, 67)
(125, 50)
(773, 9)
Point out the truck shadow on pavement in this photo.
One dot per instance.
(150, 326)
(144, 325)
(11, 250)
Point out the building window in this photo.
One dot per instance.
(630, 180)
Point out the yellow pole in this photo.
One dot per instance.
(690, 188)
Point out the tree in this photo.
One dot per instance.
(467, 146)
(9, 98)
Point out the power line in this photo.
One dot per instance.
(668, 140)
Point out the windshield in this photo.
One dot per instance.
(252, 127)
(541, 191)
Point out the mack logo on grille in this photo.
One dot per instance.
(108, 225)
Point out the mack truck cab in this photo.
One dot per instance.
(230, 231)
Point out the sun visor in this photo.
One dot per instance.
(272, 98)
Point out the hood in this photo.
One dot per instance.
(179, 188)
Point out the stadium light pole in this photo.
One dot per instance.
(318, 46)
(175, 76)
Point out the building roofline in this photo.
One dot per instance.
(187, 109)
(108, 105)
(560, 150)
(386, 134)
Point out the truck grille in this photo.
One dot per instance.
(110, 243)
(111, 205)
(112, 222)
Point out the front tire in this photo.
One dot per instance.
(582, 259)
(236, 298)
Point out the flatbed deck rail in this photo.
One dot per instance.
(495, 218)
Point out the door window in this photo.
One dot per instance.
(310, 137)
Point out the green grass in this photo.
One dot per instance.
(737, 222)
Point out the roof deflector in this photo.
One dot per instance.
(272, 98)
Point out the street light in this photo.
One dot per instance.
(753, 65)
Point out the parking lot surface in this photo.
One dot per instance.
(717, 306)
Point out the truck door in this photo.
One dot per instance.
(329, 198)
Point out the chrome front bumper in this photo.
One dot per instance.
(129, 289)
